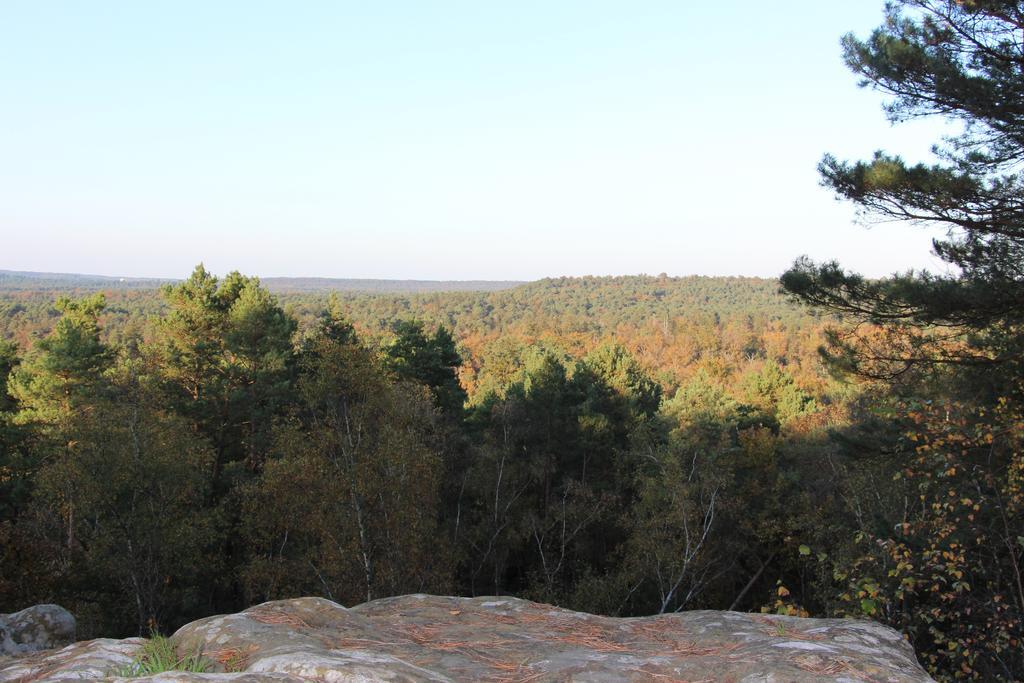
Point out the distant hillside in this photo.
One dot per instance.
(286, 285)
(12, 280)
(17, 280)
(587, 305)
(590, 307)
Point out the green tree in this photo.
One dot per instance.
(63, 371)
(17, 470)
(137, 480)
(115, 499)
(57, 385)
(703, 404)
(226, 350)
(937, 568)
(14, 482)
(433, 361)
(191, 344)
(552, 472)
(621, 372)
(772, 390)
(333, 325)
(961, 61)
(349, 507)
(259, 356)
(8, 361)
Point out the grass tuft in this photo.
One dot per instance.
(159, 655)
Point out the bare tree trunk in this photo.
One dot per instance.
(750, 584)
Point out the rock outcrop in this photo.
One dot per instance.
(41, 627)
(426, 638)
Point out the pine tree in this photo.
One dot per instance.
(960, 460)
(960, 60)
(226, 350)
(433, 361)
(65, 369)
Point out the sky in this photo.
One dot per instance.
(438, 140)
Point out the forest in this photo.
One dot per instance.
(823, 444)
(534, 455)
(627, 446)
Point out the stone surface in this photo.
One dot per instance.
(90, 659)
(426, 638)
(42, 627)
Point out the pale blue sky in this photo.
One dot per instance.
(437, 140)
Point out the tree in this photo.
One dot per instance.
(670, 551)
(623, 374)
(432, 361)
(115, 499)
(333, 325)
(772, 390)
(946, 566)
(136, 480)
(17, 470)
(64, 370)
(191, 341)
(57, 384)
(348, 507)
(552, 471)
(962, 60)
(8, 361)
(258, 356)
(941, 555)
(226, 351)
(14, 479)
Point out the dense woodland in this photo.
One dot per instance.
(619, 445)
(535, 441)
(636, 445)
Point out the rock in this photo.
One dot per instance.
(91, 659)
(41, 627)
(426, 638)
